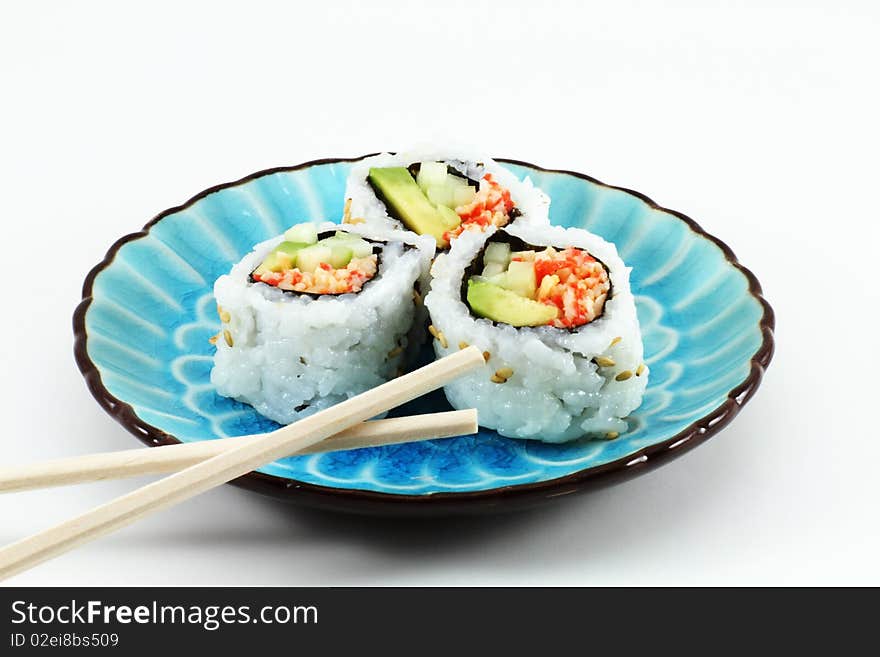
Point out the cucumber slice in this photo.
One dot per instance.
(360, 247)
(498, 279)
(521, 279)
(309, 258)
(463, 195)
(440, 195)
(450, 218)
(278, 261)
(304, 233)
(340, 256)
(431, 174)
(262, 270)
(493, 268)
(281, 258)
(290, 248)
(453, 180)
(497, 252)
(342, 235)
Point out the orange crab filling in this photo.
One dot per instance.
(491, 207)
(325, 279)
(573, 281)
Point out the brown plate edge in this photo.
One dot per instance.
(504, 498)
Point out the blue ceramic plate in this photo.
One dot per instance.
(142, 334)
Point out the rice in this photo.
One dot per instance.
(290, 355)
(543, 382)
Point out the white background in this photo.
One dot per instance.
(759, 120)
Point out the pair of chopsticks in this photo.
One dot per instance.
(172, 458)
(211, 463)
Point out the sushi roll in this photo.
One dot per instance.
(552, 310)
(440, 194)
(318, 315)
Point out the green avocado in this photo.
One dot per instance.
(450, 218)
(405, 201)
(500, 305)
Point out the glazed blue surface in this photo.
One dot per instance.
(153, 313)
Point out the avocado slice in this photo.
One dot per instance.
(405, 201)
(452, 220)
(500, 305)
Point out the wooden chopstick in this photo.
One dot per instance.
(224, 467)
(171, 458)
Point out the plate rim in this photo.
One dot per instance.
(512, 496)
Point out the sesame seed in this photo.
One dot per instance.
(486, 356)
(615, 341)
(463, 345)
(346, 211)
(604, 361)
(504, 373)
(228, 337)
(213, 339)
(611, 435)
(433, 330)
(497, 379)
(395, 352)
(442, 339)
(225, 317)
(623, 376)
(640, 369)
